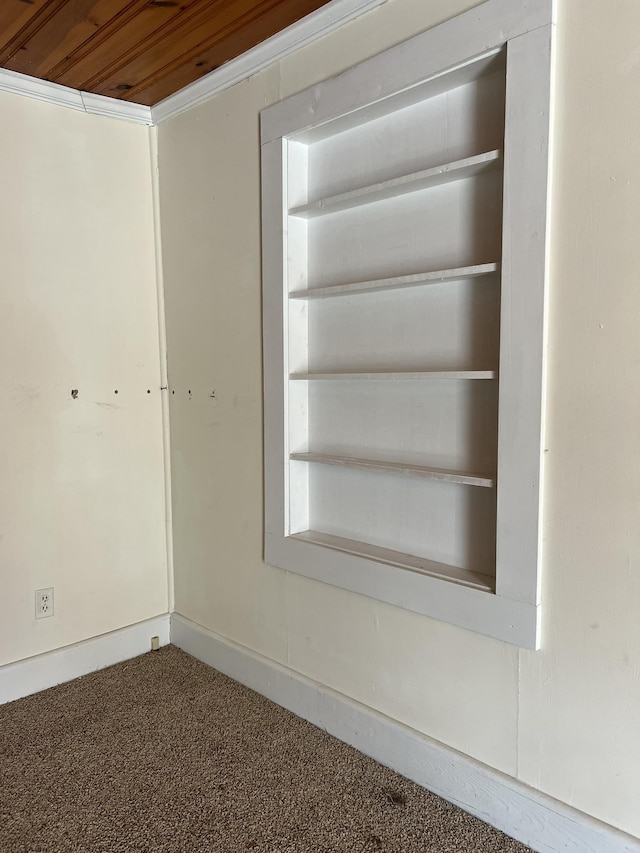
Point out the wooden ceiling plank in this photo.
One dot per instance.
(138, 50)
(172, 42)
(228, 48)
(192, 42)
(35, 22)
(74, 24)
(122, 43)
(14, 15)
(210, 26)
(117, 35)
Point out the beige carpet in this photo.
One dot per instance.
(162, 754)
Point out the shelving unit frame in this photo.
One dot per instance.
(519, 35)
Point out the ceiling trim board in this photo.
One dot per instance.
(42, 90)
(315, 25)
(63, 96)
(104, 106)
(324, 20)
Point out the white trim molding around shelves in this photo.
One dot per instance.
(312, 167)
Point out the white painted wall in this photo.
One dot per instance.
(82, 488)
(564, 719)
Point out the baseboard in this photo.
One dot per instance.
(545, 824)
(42, 671)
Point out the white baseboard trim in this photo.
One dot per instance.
(545, 824)
(31, 675)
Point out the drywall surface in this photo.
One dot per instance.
(564, 719)
(210, 210)
(81, 502)
(579, 729)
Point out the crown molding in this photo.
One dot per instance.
(63, 96)
(319, 23)
(42, 90)
(324, 20)
(102, 106)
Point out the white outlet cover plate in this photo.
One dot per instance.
(44, 602)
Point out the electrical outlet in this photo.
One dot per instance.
(44, 602)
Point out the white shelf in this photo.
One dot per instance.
(464, 577)
(447, 172)
(406, 468)
(397, 282)
(396, 375)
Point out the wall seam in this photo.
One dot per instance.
(164, 367)
(287, 575)
(518, 675)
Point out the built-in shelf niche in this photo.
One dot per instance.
(379, 244)
(385, 292)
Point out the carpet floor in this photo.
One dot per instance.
(162, 754)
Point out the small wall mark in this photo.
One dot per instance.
(74, 394)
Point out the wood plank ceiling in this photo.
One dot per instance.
(137, 50)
